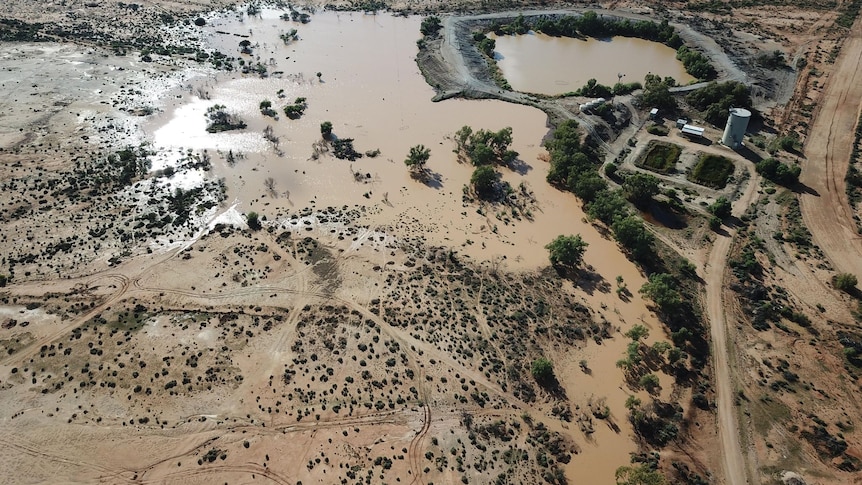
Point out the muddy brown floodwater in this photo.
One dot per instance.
(539, 63)
(371, 90)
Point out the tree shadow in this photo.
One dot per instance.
(748, 154)
(800, 188)
(591, 281)
(428, 177)
(519, 166)
(700, 140)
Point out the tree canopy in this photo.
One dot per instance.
(542, 370)
(484, 147)
(417, 158)
(661, 289)
(640, 188)
(567, 250)
(484, 180)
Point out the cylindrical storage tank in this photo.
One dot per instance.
(737, 123)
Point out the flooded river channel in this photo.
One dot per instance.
(371, 90)
(539, 63)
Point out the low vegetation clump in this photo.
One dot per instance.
(220, 120)
(658, 130)
(294, 111)
(716, 99)
(696, 64)
(343, 149)
(661, 157)
(845, 282)
(592, 25)
(778, 172)
(266, 109)
(430, 26)
(326, 130)
(712, 171)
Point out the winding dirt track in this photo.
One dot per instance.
(825, 209)
(732, 457)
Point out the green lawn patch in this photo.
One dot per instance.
(661, 157)
(712, 171)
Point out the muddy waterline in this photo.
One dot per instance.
(370, 89)
(539, 63)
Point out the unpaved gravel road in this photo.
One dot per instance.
(825, 209)
(733, 461)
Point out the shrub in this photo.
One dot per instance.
(778, 172)
(253, 220)
(658, 130)
(542, 370)
(845, 282)
(326, 130)
(721, 208)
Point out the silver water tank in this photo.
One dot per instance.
(737, 123)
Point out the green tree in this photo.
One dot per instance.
(253, 221)
(567, 251)
(721, 208)
(607, 206)
(543, 371)
(661, 289)
(484, 181)
(417, 158)
(640, 188)
(326, 130)
(637, 333)
(430, 26)
(586, 185)
(631, 233)
(639, 475)
(649, 382)
(845, 282)
(656, 93)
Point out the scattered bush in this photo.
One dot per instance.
(845, 282)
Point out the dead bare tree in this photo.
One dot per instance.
(269, 183)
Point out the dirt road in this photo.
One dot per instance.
(825, 209)
(733, 461)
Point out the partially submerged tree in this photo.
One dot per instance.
(484, 181)
(326, 130)
(221, 120)
(295, 110)
(417, 158)
(566, 251)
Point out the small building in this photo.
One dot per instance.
(653, 114)
(692, 131)
(680, 123)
